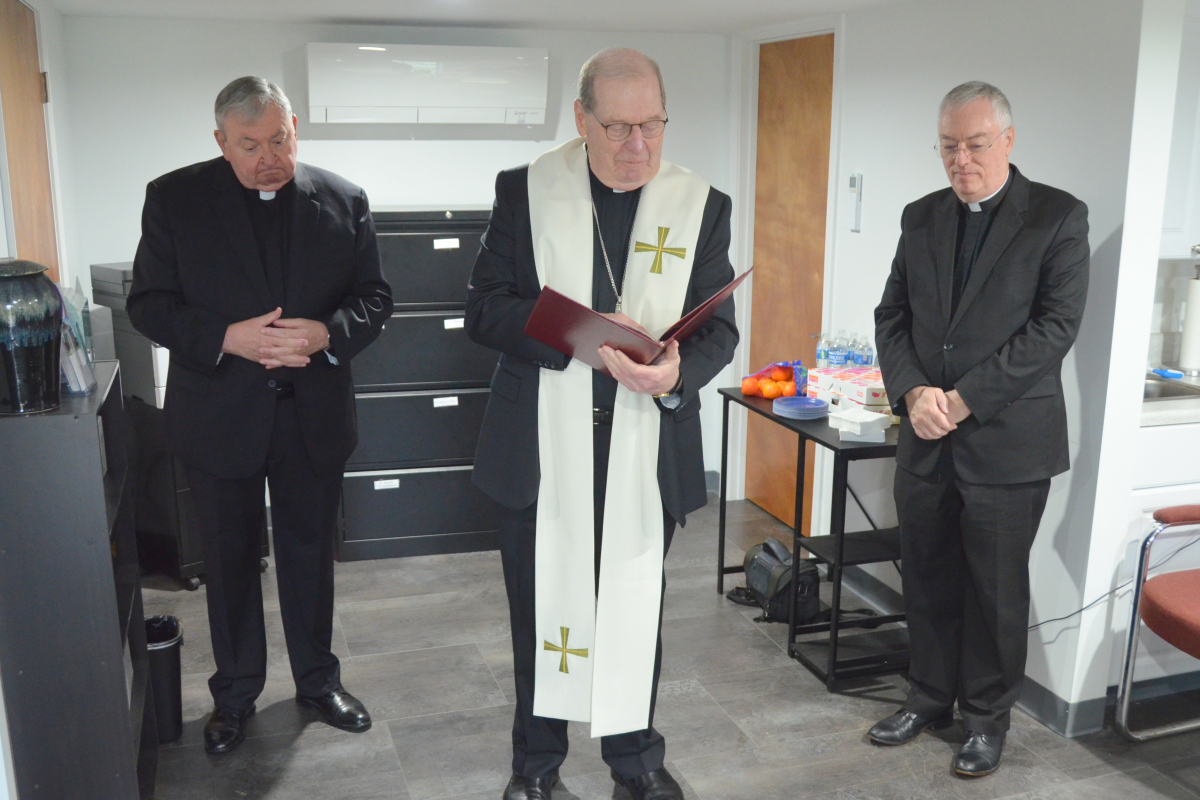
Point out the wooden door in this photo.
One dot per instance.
(22, 95)
(795, 109)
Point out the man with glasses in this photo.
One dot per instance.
(984, 300)
(603, 220)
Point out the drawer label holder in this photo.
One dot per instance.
(387, 483)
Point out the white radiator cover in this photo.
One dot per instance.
(414, 84)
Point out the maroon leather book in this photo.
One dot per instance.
(578, 331)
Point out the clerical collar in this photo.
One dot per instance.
(256, 194)
(597, 184)
(993, 199)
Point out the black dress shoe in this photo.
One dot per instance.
(340, 709)
(904, 726)
(979, 754)
(520, 788)
(226, 729)
(656, 785)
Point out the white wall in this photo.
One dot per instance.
(1146, 188)
(53, 52)
(143, 89)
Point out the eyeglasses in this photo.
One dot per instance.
(620, 131)
(949, 152)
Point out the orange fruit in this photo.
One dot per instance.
(750, 386)
(778, 375)
(770, 389)
(789, 389)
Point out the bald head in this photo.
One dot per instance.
(617, 63)
(622, 113)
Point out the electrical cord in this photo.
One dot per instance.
(1113, 591)
(1075, 613)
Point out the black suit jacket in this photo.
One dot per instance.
(197, 270)
(1003, 348)
(504, 287)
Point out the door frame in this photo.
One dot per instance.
(57, 86)
(743, 137)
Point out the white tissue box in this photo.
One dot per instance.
(873, 436)
(857, 421)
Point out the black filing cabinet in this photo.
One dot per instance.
(420, 393)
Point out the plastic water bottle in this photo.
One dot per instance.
(838, 349)
(860, 351)
(866, 352)
(823, 351)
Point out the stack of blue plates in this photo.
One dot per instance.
(800, 407)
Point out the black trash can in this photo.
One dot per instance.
(164, 637)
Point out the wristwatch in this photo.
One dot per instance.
(674, 389)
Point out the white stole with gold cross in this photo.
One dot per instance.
(596, 650)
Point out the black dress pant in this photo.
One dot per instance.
(230, 515)
(965, 555)
(540, 743)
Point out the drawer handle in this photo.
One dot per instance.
(445, 244)
(454, 323)
(387, 483)
(444, 402)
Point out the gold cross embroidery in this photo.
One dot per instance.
(562, 632)
(656, 267)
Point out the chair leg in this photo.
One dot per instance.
(1125, 687)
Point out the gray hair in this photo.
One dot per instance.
(247, 98)
(614, 64)
(971, 91)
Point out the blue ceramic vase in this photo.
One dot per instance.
(30, 335)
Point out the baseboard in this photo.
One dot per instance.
(1064, 718)
(1088, 716)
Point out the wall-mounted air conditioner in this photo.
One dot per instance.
(426, 84)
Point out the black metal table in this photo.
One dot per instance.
(839, 549)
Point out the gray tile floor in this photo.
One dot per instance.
(424, 643)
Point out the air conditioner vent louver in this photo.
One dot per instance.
(431, 84)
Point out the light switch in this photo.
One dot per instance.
(852, 204)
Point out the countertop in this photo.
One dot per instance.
(1172, 411)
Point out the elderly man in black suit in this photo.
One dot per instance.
(984, 300)
(262, 277)
(590, 215)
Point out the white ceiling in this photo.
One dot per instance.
(694, 16)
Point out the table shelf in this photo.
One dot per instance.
(839, 549)
(859, 547)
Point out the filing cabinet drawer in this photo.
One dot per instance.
(427, 428)
(393, 504)
(430, 268)
(423, 350)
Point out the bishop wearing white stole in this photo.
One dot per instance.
(594, 471)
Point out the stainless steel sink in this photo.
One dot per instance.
(1166, 389)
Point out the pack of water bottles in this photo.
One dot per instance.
(842, 351)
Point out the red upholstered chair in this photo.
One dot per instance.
(1169, 604)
